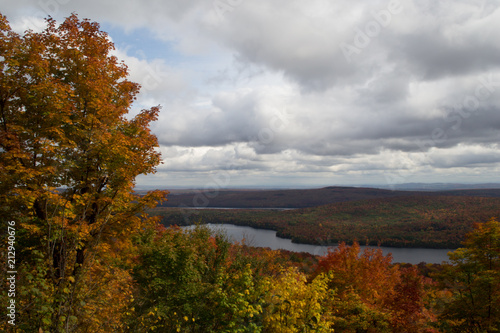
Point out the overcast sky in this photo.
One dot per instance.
(294, 93)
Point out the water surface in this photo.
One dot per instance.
(268, 238)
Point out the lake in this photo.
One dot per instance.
(267, 238)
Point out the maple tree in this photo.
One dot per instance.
(474, 281)
(69, 158)
(362, 281)
(293, 305)
(372, 294)
(406, 303)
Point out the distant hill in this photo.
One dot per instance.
(299, 198)
(491, 193)
(437, 186)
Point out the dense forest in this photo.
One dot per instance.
(300, 198)
(81, 253)
(403, 221)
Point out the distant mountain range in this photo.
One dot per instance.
(437, 186)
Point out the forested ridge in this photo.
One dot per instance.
(81, 253)
(301, 198)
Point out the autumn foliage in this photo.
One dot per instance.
(69, 158)
(425, 220)
(89, 259)
(192, 280)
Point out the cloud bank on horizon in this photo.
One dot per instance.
(308, 93)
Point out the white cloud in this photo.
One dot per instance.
(263, 89)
